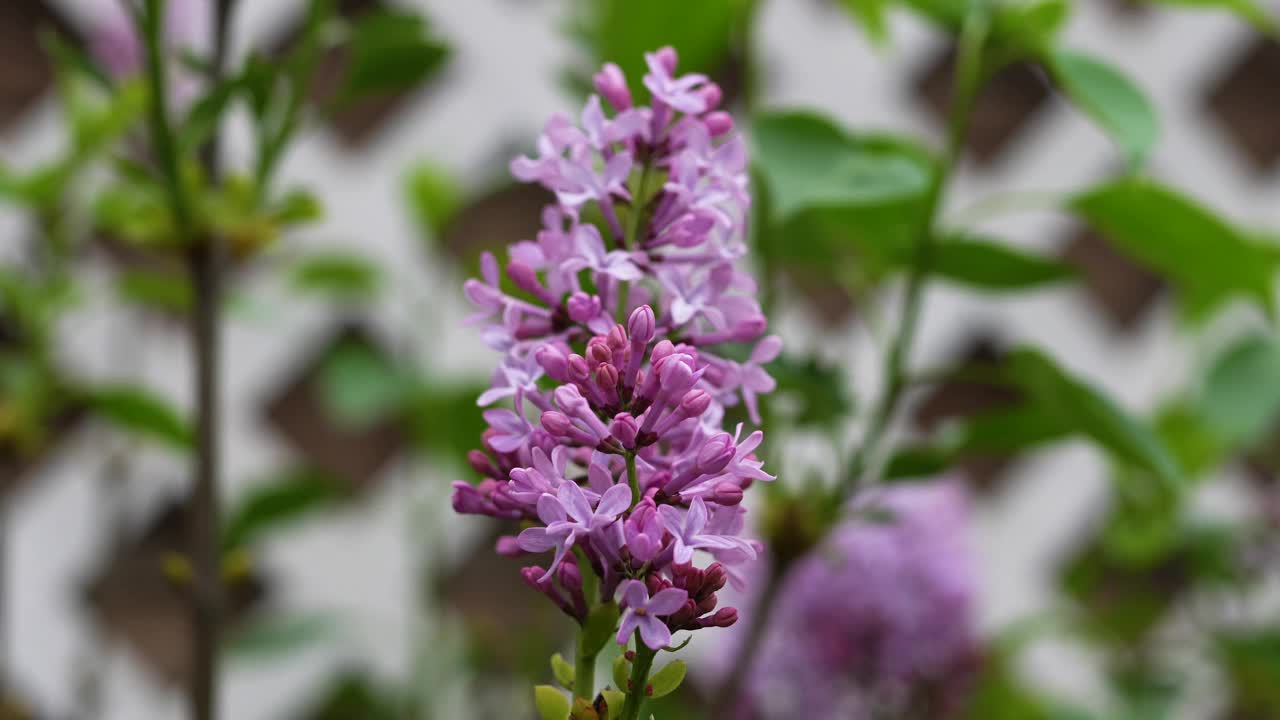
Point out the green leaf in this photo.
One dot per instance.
(600, 627)
(391, 51)
(989, 265)
(297, 207)
(807, 162)
(281, 635)
(551, 703)
(360, 387)
(1024, 30)
(1247, 10)
(140, 411)
(434, 197)
(1206, 258)
(918, 462)
(1078, 407)
(668, 679)
(1241, 396)
(621, 31)
(563, 671)
(1111, 99)
(279, 501)
(341, 275)
(166, 291)
(872, 15)
(810, 393)
(621, 673)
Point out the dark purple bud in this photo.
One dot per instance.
(607, 377)
(617, 338)
(469, 500)
(642, 325)
(583, 308)
(553, 362)
(726, 493)
(482, 463)
(715, 577)
(624, 429)
(612, 86)
(556, 423)
(724, 617)
(533, 577)
(668, 58)
(571, 580)
(718, 123)
(598, 351)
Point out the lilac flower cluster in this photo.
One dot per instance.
(878, 619)
(612, 450)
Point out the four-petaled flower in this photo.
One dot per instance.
(687, 529)
(568, 516)
(642, 613)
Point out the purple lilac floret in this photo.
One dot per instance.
(612, 323)
(878, 619)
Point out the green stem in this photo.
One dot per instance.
(584, 678)
(638, 202)
(967, 81)
(633, 479)
(639, 680)
(152, 22)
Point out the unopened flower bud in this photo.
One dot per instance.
(642, 325)
(583, 308)
(711, 95)
(727, 493)
(525, 278)
(718, 123)
(598, 351)
(617, 338)
(612, 86)
(508, 546)
(668, 58)
(624, 429)
(606, 377)
(482, 464)
(724, 617)
(554, 362)
(715, 453)
(695, 403)
(579, 368)
(556, 423)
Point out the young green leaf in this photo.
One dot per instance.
(340, 275)
(621, 31)
(1205, 257)
(1250, 11)
(1111, 99)
(434, 196)
(563, 671)
(992, 266)
(551, 703)
(668, 679)
(142, 412)
(274, 503)
(872, 15)
(1241, 396)
(166, 291)
(807, 162)
(621, 673)
(391, 50)
(1082, 409)
(279, 635)
(600, 626)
